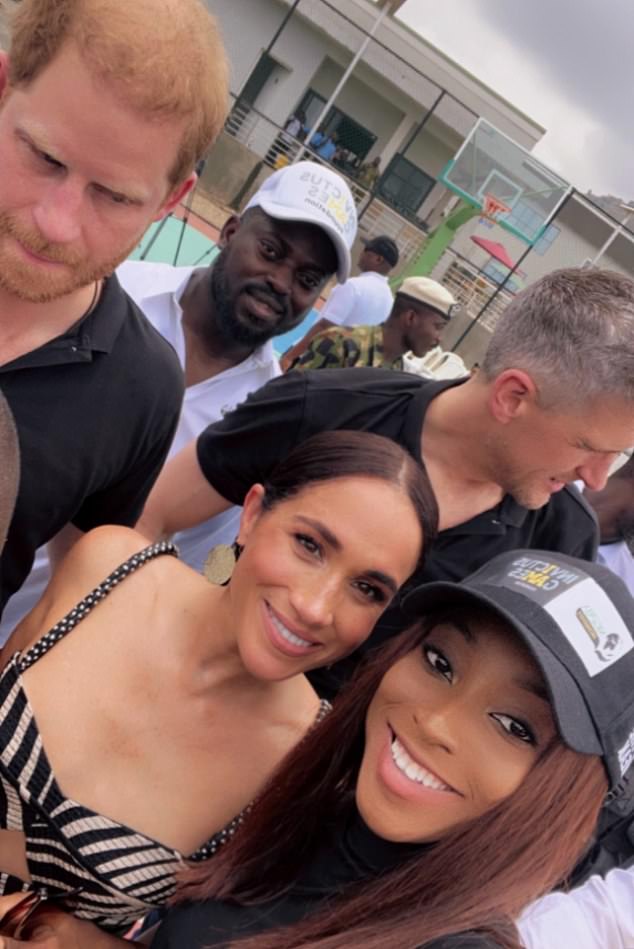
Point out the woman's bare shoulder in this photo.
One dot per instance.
(95, 556)
(85, 566)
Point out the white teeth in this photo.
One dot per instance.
(412, 770)
(286, 633)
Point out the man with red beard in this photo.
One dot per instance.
(221, 319)
(105, 108)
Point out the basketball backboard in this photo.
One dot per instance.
(490, 163)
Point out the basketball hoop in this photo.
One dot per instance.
(493, 208)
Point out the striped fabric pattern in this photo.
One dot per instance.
(121, 873)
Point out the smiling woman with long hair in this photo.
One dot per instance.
(442, 796)
(140, 714)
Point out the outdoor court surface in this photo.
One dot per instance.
(198, 249)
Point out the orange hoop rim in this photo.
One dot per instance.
(493, 207)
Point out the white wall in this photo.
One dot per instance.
(432, 149)
(247, 28)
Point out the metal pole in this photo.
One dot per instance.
(353, 62)
(564, 201)
(415, 131)
(613, 236)
(157, 230)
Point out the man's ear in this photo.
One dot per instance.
(251, 510)
(511, 394)
(409, 316)
(4, 72)
(176, 196)
(229, 229)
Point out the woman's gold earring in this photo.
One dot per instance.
(220, 563)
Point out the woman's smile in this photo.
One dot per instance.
(286, 636)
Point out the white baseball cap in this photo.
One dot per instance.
(431, 293)
(317, 195)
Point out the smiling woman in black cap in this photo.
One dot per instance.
(442, 796)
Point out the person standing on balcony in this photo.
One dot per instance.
(295, 124)
(369, 173)
(324, 144)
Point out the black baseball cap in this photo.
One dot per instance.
(577, 620)
(385, 247)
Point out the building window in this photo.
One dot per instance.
(498, 274)
(524, 218)
(547, 240)
(353, 140)
(404, 186)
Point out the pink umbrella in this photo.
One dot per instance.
(495, 249)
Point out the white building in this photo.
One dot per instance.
(378, 112)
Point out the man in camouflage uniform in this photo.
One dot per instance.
(421, 311)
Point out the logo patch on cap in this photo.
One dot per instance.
(330, 199)
(582, 610)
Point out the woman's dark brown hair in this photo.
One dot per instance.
(344, 454)
(479, 877)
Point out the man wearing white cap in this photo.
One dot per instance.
(421, 311)
(295, 233)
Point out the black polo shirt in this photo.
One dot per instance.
(243, 447)
(96, 410)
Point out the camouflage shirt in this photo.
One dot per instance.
(340, 348)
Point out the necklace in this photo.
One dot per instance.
(93, 302)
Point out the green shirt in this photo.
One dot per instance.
(340, 348)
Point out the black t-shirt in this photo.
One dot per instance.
(96, 410)
(350, 852)
(462, 941)
(245, 445)
(209, 926)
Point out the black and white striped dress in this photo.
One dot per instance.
(122, 873)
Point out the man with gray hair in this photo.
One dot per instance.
(552, 403)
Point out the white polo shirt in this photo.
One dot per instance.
(618, 557)
(597, 915)
(365, 300)
(157, 289)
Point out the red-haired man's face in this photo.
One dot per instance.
(82, 177)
